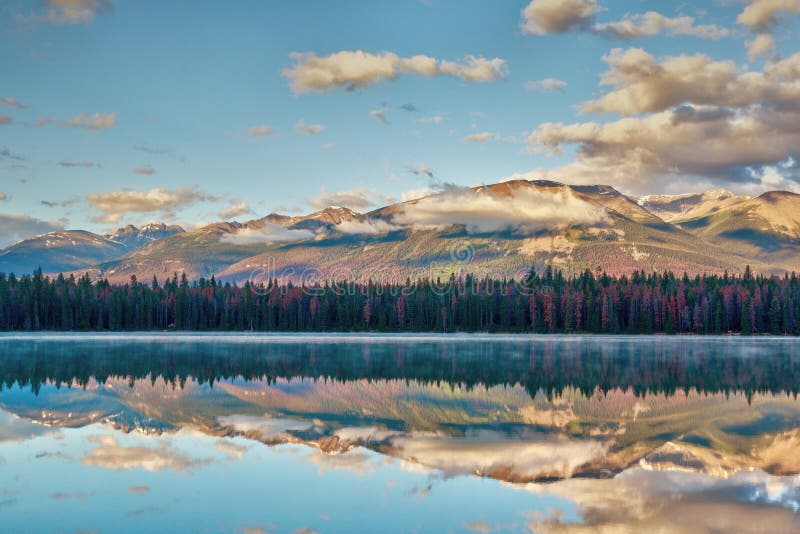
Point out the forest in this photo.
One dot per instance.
(544, 301)
(541, 368)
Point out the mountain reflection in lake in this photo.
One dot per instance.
(399, 433)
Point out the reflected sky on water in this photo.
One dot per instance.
(399, 434)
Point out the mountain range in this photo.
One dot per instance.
(499, 230)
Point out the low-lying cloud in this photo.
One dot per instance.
(366, 227)
(522, 210)
(269, 233)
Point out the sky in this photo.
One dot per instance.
(118, 112)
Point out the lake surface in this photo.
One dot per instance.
(391, 433)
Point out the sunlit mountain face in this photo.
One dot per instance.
(498, 230)
(567, 432)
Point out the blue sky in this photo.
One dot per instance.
(96, 89)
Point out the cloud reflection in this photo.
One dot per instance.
(639, 500)
(110, 454)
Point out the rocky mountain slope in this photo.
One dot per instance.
(766, 228)
(68, 250)
(689, 205)
(498, 230)
(133, 237)
(59, 251)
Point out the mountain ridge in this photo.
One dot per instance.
(494, 229)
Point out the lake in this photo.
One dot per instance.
(398, 433)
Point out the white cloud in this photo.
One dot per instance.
(231, 449)
(414, 194)
(543, 17)
(762, 14)
(517, 209)
(771, 178)
(358, 69)
(640, 83)
(652, 23)
(147, 169)
(484, 137)
(547, 84)
(259, 130)
(640, 500)
(715, 143)
(433, 119)
(380, 114)
(308, 129)
(486, 452)
(110, 454)
(115, 204)
(84, 164)
(481, 137)
(237, 208)
(11, 102)
(761, 45)
(94, 121)
(354, 199)
(760, 17)
(3, 196)
(688, 116)
(76, 11)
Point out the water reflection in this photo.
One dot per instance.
(630, 434)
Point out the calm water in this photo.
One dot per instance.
(398, 434)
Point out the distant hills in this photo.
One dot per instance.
(499, 230)
(67, 250)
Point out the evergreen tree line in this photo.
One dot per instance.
(546, 302)
(550, 367)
